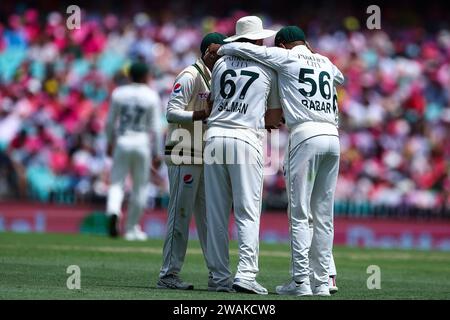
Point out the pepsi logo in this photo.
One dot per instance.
(188, 179)
(177, 88)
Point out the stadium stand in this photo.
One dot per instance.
(55, 85)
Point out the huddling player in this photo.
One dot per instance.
(242, 91)
(306, 82)
(187, 106)
(134, 113)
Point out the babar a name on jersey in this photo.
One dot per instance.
(317, 105)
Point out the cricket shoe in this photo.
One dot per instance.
(332, 285)
(293, 288)
(113, 225)
(322, 290)
(135, 234)
(227, 288)
(247, 286)
(173, 282)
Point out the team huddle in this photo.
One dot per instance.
(232, 94)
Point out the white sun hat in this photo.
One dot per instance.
(250, 27)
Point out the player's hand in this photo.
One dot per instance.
(213, 48)
(202, 115)
(155, 175)
(211, 53)
(156, 163)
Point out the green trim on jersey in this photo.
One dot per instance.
(203, 75)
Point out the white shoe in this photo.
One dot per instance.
(295, 289)
(135, 234)
(321, 290)
(332, 285)
(246, 286)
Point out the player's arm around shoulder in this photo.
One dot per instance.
(272, 57)
(337, 74)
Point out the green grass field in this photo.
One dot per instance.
(33, 266)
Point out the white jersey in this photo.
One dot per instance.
(242, 90)
(133, 114)
(306, 81)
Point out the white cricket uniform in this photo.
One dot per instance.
(242, 90)
(187, 189)
(134, 113)
(306, 82)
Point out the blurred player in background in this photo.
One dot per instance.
(242, 90)
(187, 108)
(306, 82)
(134, 112)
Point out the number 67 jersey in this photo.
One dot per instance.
(242, 90)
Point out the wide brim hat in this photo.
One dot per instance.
(251, 28)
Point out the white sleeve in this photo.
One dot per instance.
(214, 71)
(179, 99)
(111, 119)
(274, 101)
(272, 57)
(338, 76)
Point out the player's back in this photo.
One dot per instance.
(240, 90)
(135, 106)
(308, 88)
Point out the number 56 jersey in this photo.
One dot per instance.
(242, 90)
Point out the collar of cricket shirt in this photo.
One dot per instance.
(302, 48)
(203, 70)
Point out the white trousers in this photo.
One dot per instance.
(239, 183)
(187, 196)
(131, 159)
(332, 267)
(311, 174)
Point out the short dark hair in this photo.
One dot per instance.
(138, 71)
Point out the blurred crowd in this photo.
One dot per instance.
(55, 85)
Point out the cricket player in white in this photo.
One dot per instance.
(241, 89)
(306, 82)
(186, 110)
(134, 112)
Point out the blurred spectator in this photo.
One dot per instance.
(55, 86)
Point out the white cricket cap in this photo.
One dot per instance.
(250, 27)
